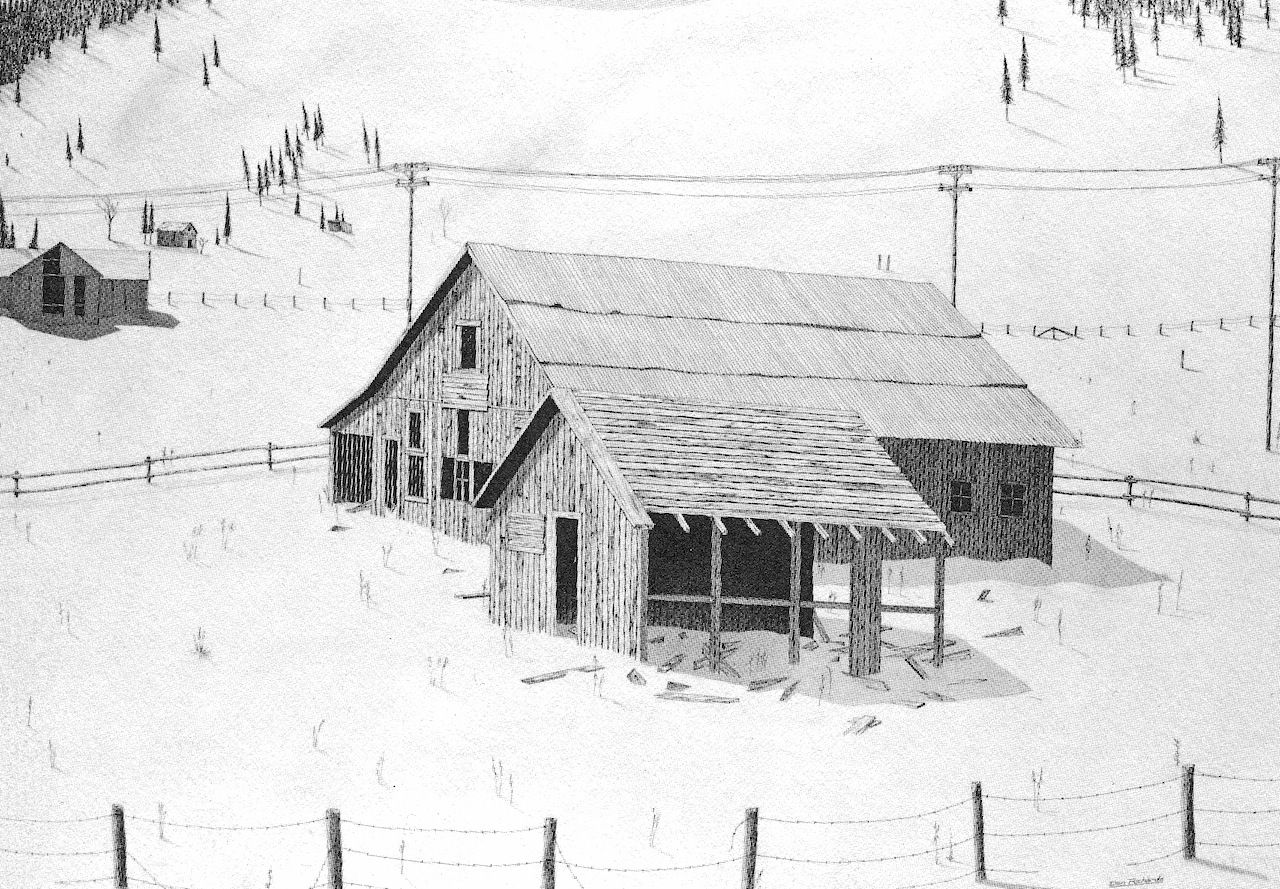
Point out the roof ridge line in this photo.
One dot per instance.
(718, 373)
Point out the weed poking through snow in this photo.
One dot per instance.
(201, 646)
(315, 735)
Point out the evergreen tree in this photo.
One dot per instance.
(377, 149)
(245, 159)
(17, 92)
(35, 237)
(1006, 89)
(151, 221)
(204, 60)
(79, 136)
(1155, 33)
(84, 40)
(68, 149)
(297, 206)
(322, 217)
(1024, 65)
(1199, 31)
(365, 132)
(226, 225)
(1219, 131)
(217, 59)
(144, 222)
(306, 121)
(1002, 11)
(1266, 13)
(1133, 50)
(4, 226)
(158, 48)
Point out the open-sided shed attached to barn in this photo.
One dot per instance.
(696, 436)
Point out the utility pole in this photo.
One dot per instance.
(411, 183)
(1274, 164)
(955, 171)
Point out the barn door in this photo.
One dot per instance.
(566, 570)
(352, 468)
(391, 474)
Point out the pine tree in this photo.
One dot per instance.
(1024, 65)
(217, 59)
(144, 222)
(1155, 33)
(1199, 31)
(1266, 13)
(377, 150)
(306, 121)
(322, 217)
(1219, 131)
(365, 132)
(1133, 50)
(151, 221)
(245, 159)
(17, 92)
(1006, 89)
(4, 226)
(226, 225)
(79, 136)
(1002, 11)
(35, 237)
(204, 60)
(68, 149)
(158, 48)
(297, 205)
(84, 40)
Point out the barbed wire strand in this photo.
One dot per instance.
(223, 827)
(514, 830)
(32, 853)
(84, 820)
(905, 855)
(705, 865)
(1177, 851)
(946, 808)
(499, 864)
(1237, 778)
(1079, 830)
(939, 882)
(568, 867)
(1076, 796)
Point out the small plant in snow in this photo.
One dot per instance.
(315, 734)
(366, 595)
(386, 554)
(226, 529)
(160, 813)
(378, 772)
(436, 669)
(201, 647)
(53, 756)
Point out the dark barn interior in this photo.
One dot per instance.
(755, 566)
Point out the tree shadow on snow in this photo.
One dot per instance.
(86, 332)
(1230, 869)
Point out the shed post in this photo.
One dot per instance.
(118, 848)
(939, 595)
(713, 641)
(864, 613)
(793, 608)
(750, 842)
(1189, 812)
(979, 836)
(549, 854)
(334, 819)
(642, 606)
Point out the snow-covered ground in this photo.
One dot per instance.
(315, 695)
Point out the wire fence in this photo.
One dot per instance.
(1069, 331)
(149, 468)
(366, 864)
(245, 299)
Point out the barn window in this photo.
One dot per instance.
(79, 296)
(463, 479)
(1013, 500)
(961, 496)
(467, 353)
(415, 430)
(53, 297)
(464, 432)
(417, 476)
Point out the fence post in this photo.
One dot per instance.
(235, 298)
(295, 300)
(170, 297)
(750, 841)
(264, 301)
(148, 469)
(335, 848)
(324, 302)
(1248, 506)
(549, 854)
(202, 302)
(16, 491)
(1189, 812)
(979, 844)
(121, 855)
(270, 465)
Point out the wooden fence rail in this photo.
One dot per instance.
(159, 467)
(1122, 488)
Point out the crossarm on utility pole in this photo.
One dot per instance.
(410, 183)
(955, 171)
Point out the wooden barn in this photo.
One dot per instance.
(651, 443)
(65, 286)
(177, 234)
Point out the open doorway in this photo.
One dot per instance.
(566, 532)
(391, 474)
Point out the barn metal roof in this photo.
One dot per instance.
(720, 459)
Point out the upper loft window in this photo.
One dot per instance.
(52, 265)
(961, 496)
(1013, 500)
(415, 430)
(467, 346)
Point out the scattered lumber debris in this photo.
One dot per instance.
(762, 684)
(359, 507)
(968, 680)
(635, 678)
(657, 640)
(938, 696)
(677, 686)
(694, 698)
(451, 571)
(960, 654)
(470, 595)
(671, 663)
(876, 684)
(911, 662)
(1004, 634)
(984, 596)
(861, 724)
(909, 703)
(811, 645)
(790, 689)
(340, 528)
(821, 631)
(560, 674)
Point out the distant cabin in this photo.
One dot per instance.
(61, 285)
(338, 225)
(177, 234)
(646, 444)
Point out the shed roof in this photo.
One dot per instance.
(722, 459)
(175, 226)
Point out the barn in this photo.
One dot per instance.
(177, 234)
(65, 286)
(647, 443)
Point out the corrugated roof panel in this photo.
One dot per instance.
(754, 462)
(559, 336)
(635, 286)
(1006, 415)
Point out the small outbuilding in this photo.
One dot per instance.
(65, 286)
(177, 234)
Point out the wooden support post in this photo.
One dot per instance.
(713, 642)
(549, 854)
(1189, 812)
(793, 612)
(939, 597)
(979, 837)
(864, 614)
(642, 618)
(335, 848)
(750, 842)
(120, 851)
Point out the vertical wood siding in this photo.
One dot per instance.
(558, 476)
(515, 382)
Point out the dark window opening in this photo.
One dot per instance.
(79, 291)
(417, 480)
(464, 433)
(961, 496)
(54, 296)
(462, 479)
(52, 265)
(1013, 500)
(467, 347)
(415, 430)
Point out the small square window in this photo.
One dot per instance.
(1013, 500)
(961, 496)
(417, 476)
(467, 347)
(415, 430)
